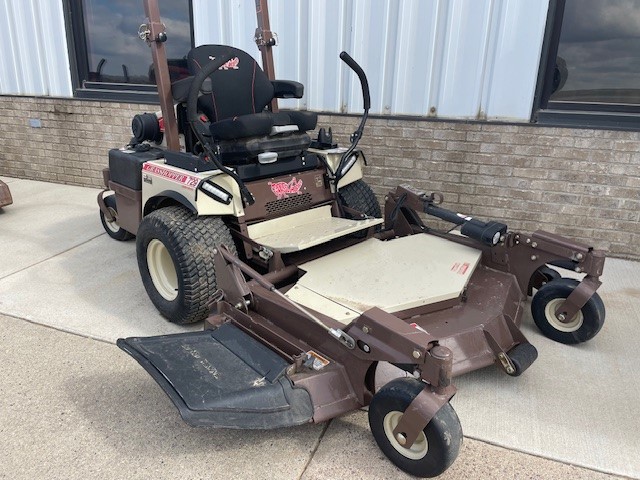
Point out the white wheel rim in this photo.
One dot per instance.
(112, 225)
(419, 448)
(571, 326)
(162, 270)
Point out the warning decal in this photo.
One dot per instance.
(460, 268)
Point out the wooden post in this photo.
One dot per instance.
(265, 40)
(156, 37)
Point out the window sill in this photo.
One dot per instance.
(588, 119)
(118, 92)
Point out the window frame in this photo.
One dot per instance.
(566, 113)
(79, 63)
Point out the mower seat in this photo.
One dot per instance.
(236, 108)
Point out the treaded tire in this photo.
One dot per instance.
(584, 325)
(185, 242)
(114, 230)
(359, 196)
(442, 436)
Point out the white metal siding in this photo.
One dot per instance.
(468, 59)
(513, 65)
(34, 57)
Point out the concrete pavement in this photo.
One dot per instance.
(77, 407)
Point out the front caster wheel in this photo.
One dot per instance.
(582, 327)
(175, 259)
(541, 277)
(436, 447)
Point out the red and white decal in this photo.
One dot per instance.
(189, 181)
(230, 65)
(284, 189)
(418, 327)
(460, 268)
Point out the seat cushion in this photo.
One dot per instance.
(246, 150)
(303, 119)
(255, 125)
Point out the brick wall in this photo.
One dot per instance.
(581, 183)
(71, 146)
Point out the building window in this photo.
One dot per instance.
(593, 64)
(112, 63)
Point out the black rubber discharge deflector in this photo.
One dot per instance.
(222, 378)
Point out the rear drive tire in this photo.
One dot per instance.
(112, 228)
(359, 196)
(582, 327)
(175, 258)
(436, 447)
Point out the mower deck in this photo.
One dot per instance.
(395, 276)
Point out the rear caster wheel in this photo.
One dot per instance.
(436, 447)
(112, 228)
(582, 327)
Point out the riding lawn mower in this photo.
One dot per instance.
(305, 287)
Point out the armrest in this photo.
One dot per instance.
(180, 89)
(287, 89)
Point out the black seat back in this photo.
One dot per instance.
(240, 87)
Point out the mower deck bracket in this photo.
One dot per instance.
(500, 354)
(506, 363)
(577, 299)
(103, 207)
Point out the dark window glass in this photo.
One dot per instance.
(598, 58)
(115, 54)
(108, 59)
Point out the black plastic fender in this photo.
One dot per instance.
(167, 197)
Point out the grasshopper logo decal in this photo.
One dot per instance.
(284, 189)
(230, 65)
